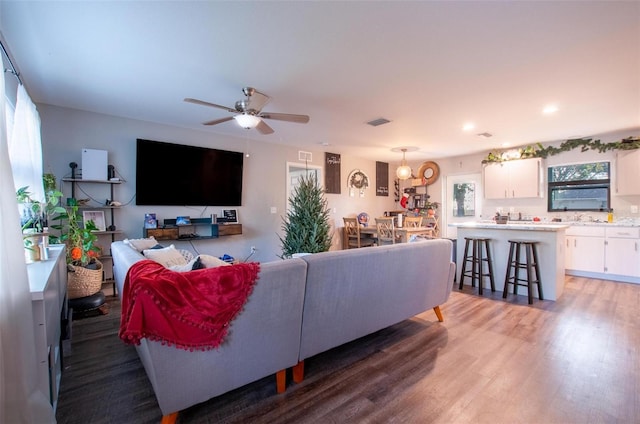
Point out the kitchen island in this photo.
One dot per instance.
(551, 251)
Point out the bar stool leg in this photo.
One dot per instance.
(517, 266)
(464, 263)
(480, 266)
(529, 249)
(508, 273)
(537, 268)
(490, 266)
(474, 262)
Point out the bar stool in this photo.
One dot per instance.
(530, 265)
(477, 261)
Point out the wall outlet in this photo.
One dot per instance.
(634, 208)
(253, 249)
(274, 209)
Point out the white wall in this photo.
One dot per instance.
(66, 131)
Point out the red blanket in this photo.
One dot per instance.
(191, 310)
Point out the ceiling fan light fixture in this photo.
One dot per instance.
(247, 121)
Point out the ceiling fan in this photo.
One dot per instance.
(248, 112)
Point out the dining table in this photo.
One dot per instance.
(405, 233)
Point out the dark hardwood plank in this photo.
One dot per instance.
(576, 360)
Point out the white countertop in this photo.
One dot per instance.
(526, 226)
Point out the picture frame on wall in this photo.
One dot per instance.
(97, 217)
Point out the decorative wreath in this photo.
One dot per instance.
(432, 170)
(358, 179)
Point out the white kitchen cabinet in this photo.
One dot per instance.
(584, 249)
(513, 179)
(622, 251)
(628, 173)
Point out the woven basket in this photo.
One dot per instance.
(83, 282)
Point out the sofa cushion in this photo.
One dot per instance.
(168, 256)
(141, 243)
(189, 266)
(208, 261)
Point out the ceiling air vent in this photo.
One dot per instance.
(304, 156)
(379, 121)
(485, 135)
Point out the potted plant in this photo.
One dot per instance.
(32, 223)
(431, 209)
(84, 270)
(306, 225)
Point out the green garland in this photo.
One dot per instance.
(539, 151)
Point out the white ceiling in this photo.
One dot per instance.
(428, 67)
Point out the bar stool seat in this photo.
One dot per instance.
(480, 254)
(530, 265)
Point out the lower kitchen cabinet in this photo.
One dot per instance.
(584, 249)
(622, 251)
(610, 253)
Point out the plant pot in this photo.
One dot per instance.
(83, 282)
(31, 240)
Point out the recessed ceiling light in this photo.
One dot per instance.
(549, 109)
(506, 144)
(468, 126)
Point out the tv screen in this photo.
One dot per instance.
(170, 174)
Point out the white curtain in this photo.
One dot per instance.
(20, 401)
(25, 146)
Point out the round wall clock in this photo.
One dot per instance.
(429, 171)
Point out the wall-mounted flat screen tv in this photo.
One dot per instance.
(169, 174)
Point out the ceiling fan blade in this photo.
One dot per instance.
(203, 103)
(289, 117)
(258, 100)
(218, 121)
(263, 128)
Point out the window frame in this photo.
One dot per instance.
(579, 184)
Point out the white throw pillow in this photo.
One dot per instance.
(168, 256)
(141, 244)
(211, 261)
(183, 268)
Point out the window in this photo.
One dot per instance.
(581, 187)
(464, 199)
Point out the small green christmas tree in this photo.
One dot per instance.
(306, 225)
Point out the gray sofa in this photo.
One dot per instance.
(299, 308)
(264, 339)
(352, 293)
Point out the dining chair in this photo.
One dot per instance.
(413, 221)
(352, 234)
(386, 231)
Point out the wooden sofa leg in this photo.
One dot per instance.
(438, 313)
(281, 381)
(170, 418)
(298, 372)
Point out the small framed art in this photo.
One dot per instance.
(230, 215)
(150, 220)
(97, 217)
(183, 220)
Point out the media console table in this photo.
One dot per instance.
(198, 229)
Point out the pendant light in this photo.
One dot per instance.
(404, 171)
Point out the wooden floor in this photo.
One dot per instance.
(576, 360)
